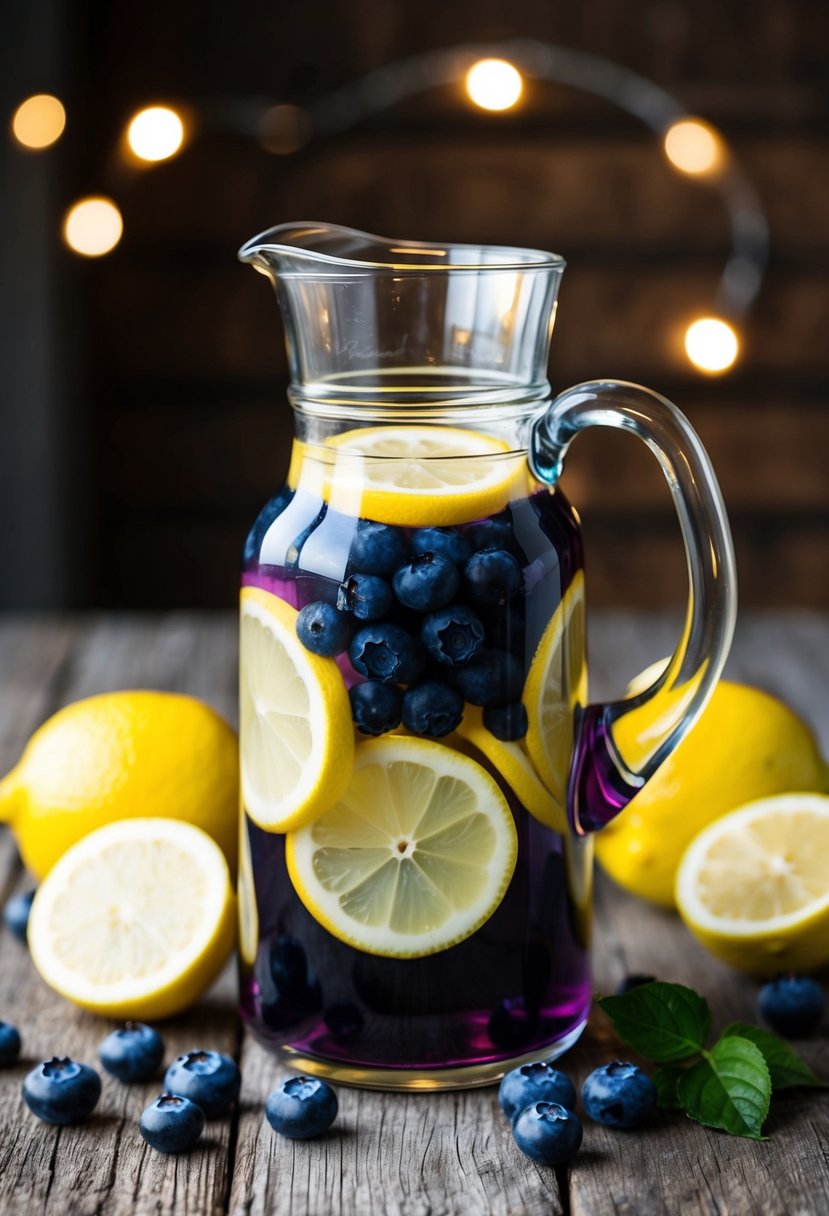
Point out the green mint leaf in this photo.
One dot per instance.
(730, 1089)
(663, 1022)
(665, 1082)
(785, 1066)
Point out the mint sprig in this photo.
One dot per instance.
(730, 1086)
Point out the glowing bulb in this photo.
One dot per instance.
(156, 133)
(711, 344)
(39, 121)
(93, 226)
(692, 146)
(494, 84)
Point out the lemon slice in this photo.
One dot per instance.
(297, 741)
(135, 920)
(246, 897)
(753, 887)
(512, 763)
(415, 856)
(556, 682)
(419, 476)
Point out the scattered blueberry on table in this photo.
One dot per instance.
(301, 1107)
(618, 1094)
(133, 1052)
(62, 1091)
(375, 707)
(536, 1082)
(792, 1005)
(548, 1132)
(323, 630)
(9, 1044)
(171, 1124)
(208, 1078)
(16, 914)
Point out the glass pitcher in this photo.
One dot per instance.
(421, 768)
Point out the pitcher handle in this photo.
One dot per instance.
(619, 745)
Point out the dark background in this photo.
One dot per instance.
(143, 414)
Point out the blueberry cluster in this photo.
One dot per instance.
(421, 617)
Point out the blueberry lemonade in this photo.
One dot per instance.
(413, 908)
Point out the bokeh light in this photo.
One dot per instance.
(283, 129)
(93, 226)
(38, 121)
(693, 146)
(494, 84)
(156, 133)
(712, 344)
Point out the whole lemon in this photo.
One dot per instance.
(122, 755)
(745, 745)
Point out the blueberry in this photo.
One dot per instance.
(493, 677)
(16, 914)
(274, 507)
(792, 1005)
(548, 1133)
(289, 992)
(453, 635)
(133, 1053)
(301, 1107)
(537, 1082)
(61, 1091)
(506, 722)
(344, 1020)
(491, 577)
(445, 541)
(635, 980)
(432, 708)
(9, 1044)
(491, 534)
(171, 1124)
(618, 1094)
(366, 596)
(377, 548)
(387, 653)
(322, 629)
(375, 707)
(288, 963)
(427, 582)
(207, 1078)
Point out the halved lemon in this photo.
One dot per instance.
(297, 740)
(135, 920)
(418, 476)
(415, 856)
(556, 682)
(753, 887)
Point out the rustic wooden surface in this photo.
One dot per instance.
(401, 1155)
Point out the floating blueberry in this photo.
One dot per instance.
(344, 1020)
(635, 980)
(432, 708)
(491, 534)
(171, 1124)
(133, 1053)
(491, 577)
(288, 963)
(618, 1094)
(537, 1082)
(792, 1005)
(274, 507)
(453, 635)
(209, 1079)
(493, 677)
(61, 1091)
(288, 991)
(386, 652)
(366, 596)
(427, 582)
(506, 722)
(377, 548)
(548, 1133)
(301, 1107)
(16, 914)
(375, 707)
(322, 629)
(445, 541)
(9, 1044)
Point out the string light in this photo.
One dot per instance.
(156, 133)
(93, 226)
(693, 147)
(712, 344)
(494, 84)
(39, 121)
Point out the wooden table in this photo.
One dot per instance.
(411, 1155)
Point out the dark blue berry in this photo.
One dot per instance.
(377, 548)
(453, 635)
(301, 1107)
(344, 1020)
(618, 1094)
(16, 914)
(548, 1133)
(493, 677)
(491, 577)
(172, 1124)
(366, 596)
(288, 963)
(322, 629)
(9, 1044)
(792, 1005)
(133, 1053)
(289, 993)
(207, 1078)
(432, 708)
(386, 652)
(62, 1091)
(634, 981)
(537, 1082)
(427, 582)
(506, 722)
(491, 534)
(274, 507)
(445, 541)
(375, 707)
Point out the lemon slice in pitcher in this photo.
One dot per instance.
(413, 858)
